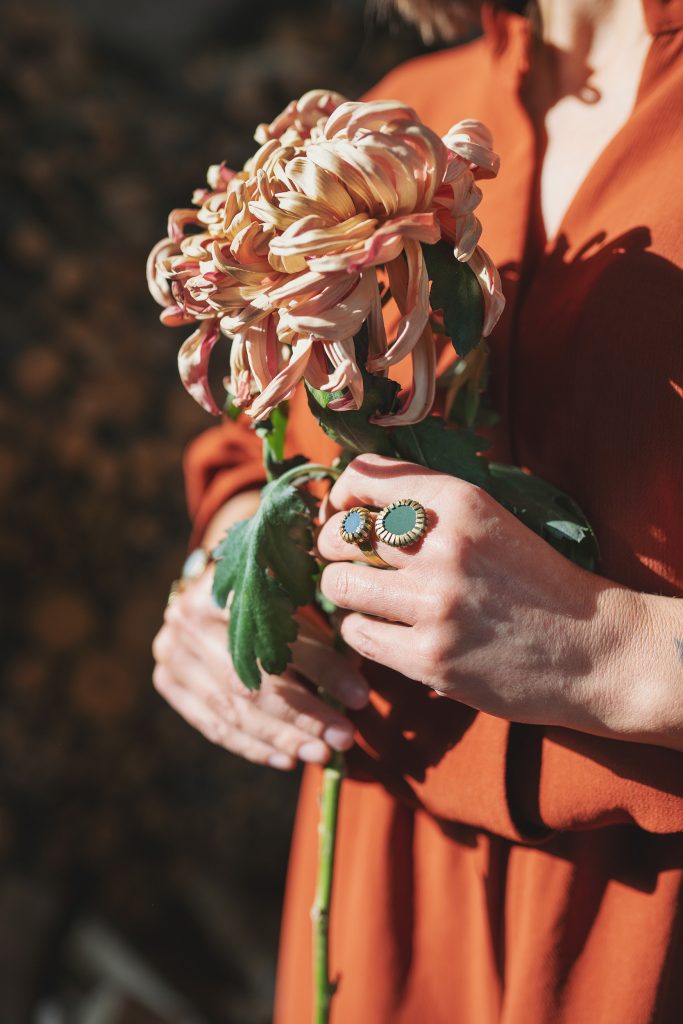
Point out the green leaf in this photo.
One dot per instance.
(547, 511)
(434, 444)
(353, 430)
(266, 564)
(456, 291)
(231, 410)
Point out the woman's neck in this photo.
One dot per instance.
(599, 33)
(588, 60)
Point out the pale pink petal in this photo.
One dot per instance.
(377, 114)
(472, 140)
(489, 280)
(341, 320)
(193, 364)
(420, 398)
(317, 373)
(175, 316)
(377, 334)
(384, 245)
(412, 324)
(157, 282)
(282, 384)
(261, 346)
(177, 222)
(347, 374)
(467, 235)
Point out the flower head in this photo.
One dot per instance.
(283, 255)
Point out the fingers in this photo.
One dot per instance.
(284, 700)
(372, 591)
(333, 548)
(325, 667)
(197, 714)
(282, 716)
(376, 480)
(385, 642)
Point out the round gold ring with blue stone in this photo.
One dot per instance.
(356, 528)
(402, 523)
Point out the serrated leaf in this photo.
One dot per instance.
(547, 511)
(266, 565)
(432, 443)
(456, 291)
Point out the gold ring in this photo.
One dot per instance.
(176, 590)
(402, 523)
(356, 528)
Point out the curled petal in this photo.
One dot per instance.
(322, 186)
(193, 364)
(413, 322)
(467, 234)
(283, 382)
(302, 114)
(261, 344)
(377, 334)
(352, 118)
(342, 319)
(489, 280)
(420, 398)
(472, 141)
(174, 316)
(157, 282)
(384, 245)
(177, 222)
(347, 374)
(317, 373)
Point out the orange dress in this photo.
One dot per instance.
(490, 871)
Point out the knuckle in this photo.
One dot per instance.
(444, 606)
(159, 679)
(308, 724)
(472, 500)
(223, 709)
(337, 584)
(435, 650)
(161, 644)
(358, 636)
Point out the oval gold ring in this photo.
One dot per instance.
(356, 528)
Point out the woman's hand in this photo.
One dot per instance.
(487, 613)
(275, 725)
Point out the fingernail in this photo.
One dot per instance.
(338, 737)
(281, 761)
(313, 751)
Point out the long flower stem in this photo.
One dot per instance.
(324, 988)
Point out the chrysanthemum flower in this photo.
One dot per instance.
(283, 256)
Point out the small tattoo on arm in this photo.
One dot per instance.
(678, 644)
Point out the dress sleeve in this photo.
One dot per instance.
(559, 779)
(218, 464)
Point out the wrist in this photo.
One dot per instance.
(240, 506)
(637, 675)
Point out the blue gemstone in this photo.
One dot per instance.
(353, 522)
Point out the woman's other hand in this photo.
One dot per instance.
(277, 725)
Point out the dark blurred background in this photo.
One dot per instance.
(142, 869)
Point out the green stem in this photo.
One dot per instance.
(309, 471)
(324, 988)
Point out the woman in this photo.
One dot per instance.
(511, 839)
